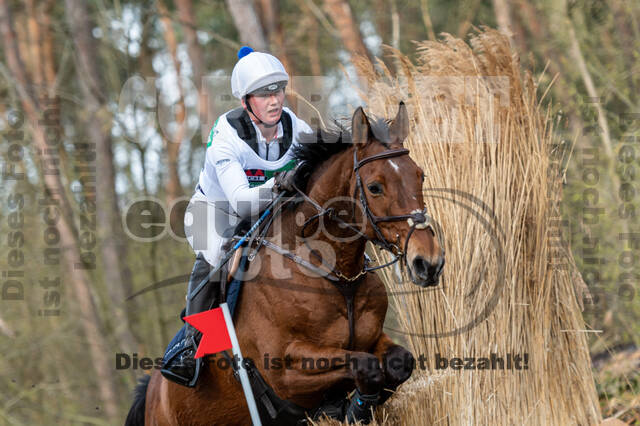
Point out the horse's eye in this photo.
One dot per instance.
(423, 178)
(375, 188)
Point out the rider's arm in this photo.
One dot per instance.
(302, 126)
(244, 200)
(299, 126)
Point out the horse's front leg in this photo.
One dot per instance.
(397, 364)
(314, 368)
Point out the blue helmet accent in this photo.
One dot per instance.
(244, 51)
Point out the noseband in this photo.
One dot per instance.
(417, 219)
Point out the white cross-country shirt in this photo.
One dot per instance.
(230, 162)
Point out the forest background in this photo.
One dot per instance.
(109, 103)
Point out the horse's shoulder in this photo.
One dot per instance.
(373, 279)
(374, 287)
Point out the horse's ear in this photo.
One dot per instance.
(399, 127)
(360, 128)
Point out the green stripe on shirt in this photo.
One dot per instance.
(212, 133)
(269, 173)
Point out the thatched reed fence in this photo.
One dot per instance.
(493, 184)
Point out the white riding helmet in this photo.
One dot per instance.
(255, 70)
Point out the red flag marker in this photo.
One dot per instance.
(219, 334)
(215, 335)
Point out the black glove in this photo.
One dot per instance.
(285, 181)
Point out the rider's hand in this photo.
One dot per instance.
(284, 181)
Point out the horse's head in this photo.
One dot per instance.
(389, 185)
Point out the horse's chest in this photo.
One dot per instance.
(330, 326)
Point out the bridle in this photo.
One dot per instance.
(417, 219)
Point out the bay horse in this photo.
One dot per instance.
(294, 321)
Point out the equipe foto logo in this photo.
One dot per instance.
(477, 209)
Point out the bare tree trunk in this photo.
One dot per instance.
(540, 36)
(173, 143)
(248, 24)
(471, 7)
(188, 24)
(503, 15)
(77, 277)
(48, 66)
(384, 29)
(426, 19)
(340, 13)
(34, 41)
(98, 125)
(312, 51)
(275, 35)
(275, 32)
(576, 54)
(395, 25)
(508, 25)
(145, 58)
(622, 15)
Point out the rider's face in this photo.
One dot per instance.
(267, 107)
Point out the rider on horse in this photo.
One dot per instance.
(246, 146)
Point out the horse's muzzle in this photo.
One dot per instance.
(427, 273)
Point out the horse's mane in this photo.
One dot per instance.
(316, 148)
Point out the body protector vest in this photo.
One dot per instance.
(239, 119)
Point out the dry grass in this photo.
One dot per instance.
(618, 379)
(491, 139)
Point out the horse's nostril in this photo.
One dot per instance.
(420, 266)
(428, 271)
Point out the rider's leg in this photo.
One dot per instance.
(207, 297)
(180, 365)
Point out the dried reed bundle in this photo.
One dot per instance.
(493, 187)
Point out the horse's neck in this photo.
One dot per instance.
(332, 179)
